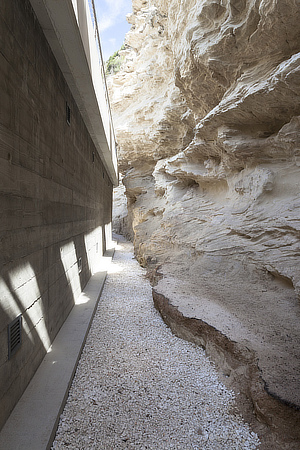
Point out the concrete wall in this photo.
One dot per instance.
(55, 198)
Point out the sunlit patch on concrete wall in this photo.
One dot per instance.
(108, 236)
(70, 263)
(7, 302)
(94, 248)
(28, 299)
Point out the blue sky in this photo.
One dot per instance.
(111, 15)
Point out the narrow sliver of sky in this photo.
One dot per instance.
(111, 15)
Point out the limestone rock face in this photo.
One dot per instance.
(207, 117)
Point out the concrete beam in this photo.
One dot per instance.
(68, 28)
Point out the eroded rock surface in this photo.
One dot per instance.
(207, 117)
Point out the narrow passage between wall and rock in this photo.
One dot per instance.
(139, 386)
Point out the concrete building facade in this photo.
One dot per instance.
(57, 171)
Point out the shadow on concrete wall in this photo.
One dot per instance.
(45, 302)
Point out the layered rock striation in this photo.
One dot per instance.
(207, 117)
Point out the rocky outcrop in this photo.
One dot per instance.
(207, 117)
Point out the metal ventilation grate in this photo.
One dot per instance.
(14, 330)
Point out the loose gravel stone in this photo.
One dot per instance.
(137, 386)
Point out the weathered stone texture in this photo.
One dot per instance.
(55, 197)
(206, 110)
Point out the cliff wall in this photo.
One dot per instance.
(207, 117)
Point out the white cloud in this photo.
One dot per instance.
(111, 12)
(112, 23)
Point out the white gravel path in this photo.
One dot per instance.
(138, 386)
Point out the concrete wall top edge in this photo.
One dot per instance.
(70, 35)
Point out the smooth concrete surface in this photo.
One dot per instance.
(55, 197)
(79, 61)
(33, 422)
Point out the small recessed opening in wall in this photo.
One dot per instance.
(79, 263)
(14, 333)
(96, 247)
(68, 114)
